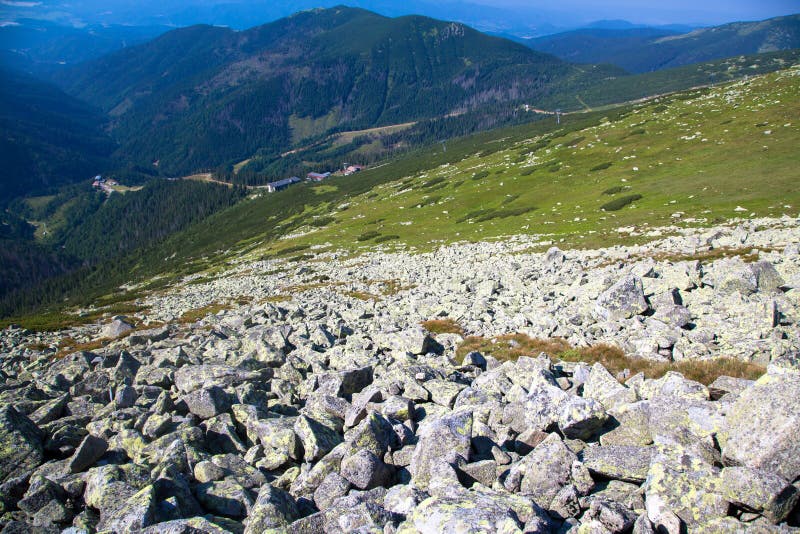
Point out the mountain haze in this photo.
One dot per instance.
(644, 50)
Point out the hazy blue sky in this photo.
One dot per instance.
(663, 12)
(522, 17)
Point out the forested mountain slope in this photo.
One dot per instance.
(204, 96)
(47, 138)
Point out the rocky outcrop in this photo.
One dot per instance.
(326, 414)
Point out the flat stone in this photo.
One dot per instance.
(20, 444)
(763, 426)
(90, 450)
(619, 462)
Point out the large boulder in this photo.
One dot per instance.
(544, 472)
(441, 441)
(763, 426)
(365, 471)
(621, 301)
(605, 389)
(317, 438)
(759, 491)
(273, 509)
(208, 402)
(619, 462)
(20, 444)
(117, 327)
(192, 377)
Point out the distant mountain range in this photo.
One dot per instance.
(648, 49)
(37, 45)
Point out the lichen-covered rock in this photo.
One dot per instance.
(117, 327)
(543, 472)
(604, 388)
(412, 341)
(621, 301)
(130, 514)
(358, 510)
(759, 491)
(365, 471)
(88, 452)
(208, 402)
(192, 377)
(620, 462)
(763, 425)
(581, 418)
(462, 513)
(317, 439)
(441, 441)
(225, 497)
(332, 487)
(273, 509)
(20, 443)
(682, 483)
(345, 383)
(612, 516)
(443, 392)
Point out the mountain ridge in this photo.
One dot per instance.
(644, 50)
(204, 86)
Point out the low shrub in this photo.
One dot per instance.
(322, 221)
(619, 203)
(601, 167)
(366, 236)
(385, 238)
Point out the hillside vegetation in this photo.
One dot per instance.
(47, 139)
(645, 50)
(201, 97)
(702, 156)
(694, 158)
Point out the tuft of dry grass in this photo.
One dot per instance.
(443, 326)
(706, 371)
(710, 255)
(192, 316)
(68, 346)
(362, 295)
(393, 287)
(510, 347)
(274, 299)
(37, 346)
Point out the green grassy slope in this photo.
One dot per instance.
(690, 158)
(699, 155)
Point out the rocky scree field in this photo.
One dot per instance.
(344, 395)
(503, 385)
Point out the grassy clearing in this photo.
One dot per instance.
(443, 326)
(59, 320)
(511, 347)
